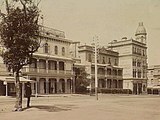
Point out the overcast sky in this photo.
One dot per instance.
(109, 19)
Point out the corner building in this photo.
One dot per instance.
(133, 60)
(52, 67)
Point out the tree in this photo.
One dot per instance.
(81, 80)
(19, 31)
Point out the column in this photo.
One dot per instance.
(23, 89)
(137, 89)
(73, 84)
(64, 67)
(58, 89)
(66, 86)
(47, 86)
(6, 84)
(37, 81)
(38, 65)
(117, 84)
(46, 66)
(106, 82)
(111, 83)
(57, 66)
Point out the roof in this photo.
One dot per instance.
(51, 56)
(141, 29)
(12, 79)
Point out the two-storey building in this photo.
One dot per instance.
(153, 82)
(108, 72)
(52, 67)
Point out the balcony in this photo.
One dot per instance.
(52, 71)
(41, 70)
(27, 70)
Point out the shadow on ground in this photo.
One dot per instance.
(48, 108)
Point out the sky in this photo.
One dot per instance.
(110, 20)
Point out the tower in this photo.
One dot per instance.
(133, 60)
(141, 33)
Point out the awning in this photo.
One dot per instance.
(12, 79)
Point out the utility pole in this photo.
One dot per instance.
(96, 80)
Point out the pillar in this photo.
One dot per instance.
(38, 65)
(23, 89)
(58, 89)
(46, 66)
(47, 86)
(137, 89)
(66, 86)
(6, 84)
(57, 66)
(106, 82)
(111, 83)
(37, 82)
(117, 84)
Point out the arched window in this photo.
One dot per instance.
(63, 51)
(56, 50)
(46, 48)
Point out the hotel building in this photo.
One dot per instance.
(133, 60)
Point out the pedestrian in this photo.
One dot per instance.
(28, 93)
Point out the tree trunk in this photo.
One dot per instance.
(18, 86)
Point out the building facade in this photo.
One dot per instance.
(109, 74)
(133, 60)
(153, 82)
(51, 70)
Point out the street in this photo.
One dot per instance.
(84, 107)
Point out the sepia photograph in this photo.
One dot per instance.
(79, 59)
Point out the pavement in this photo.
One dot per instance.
(84, 107)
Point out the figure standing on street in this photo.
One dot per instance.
(28, 93)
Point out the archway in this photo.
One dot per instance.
(69, 86)
(52, 85)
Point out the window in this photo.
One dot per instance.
(89, 58)
(56, 50)
(63, 51)
(143, 74)
(103, 62)
(108, 71)
(133, 50)
(115, 63)
(109, 61)
(139, 73)
(143, 53)
(138, 63)
(134, 62)
(119, 72)
(134, 73)
(46, 50)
